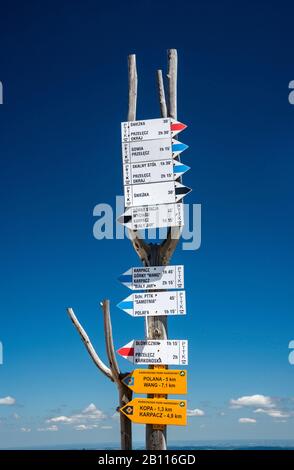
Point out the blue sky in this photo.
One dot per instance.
(64, 73)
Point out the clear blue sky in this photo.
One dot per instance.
(64, 73)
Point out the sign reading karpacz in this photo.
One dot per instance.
(150, 129)
(155, 303)
(154, 277)
(145, 351)
(151, 411)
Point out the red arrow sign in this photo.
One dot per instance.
(126, 352)
(177, 126)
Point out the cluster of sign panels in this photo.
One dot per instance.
(152, 193)
(151, 172)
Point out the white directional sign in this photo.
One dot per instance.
(159, 149)
(153, 171)
(156, 216)
(154, 277)
(150, 129)
(168, 352)
(154, 193)
(155, 303)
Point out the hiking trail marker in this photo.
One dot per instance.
(154, 193)
(146, 150)
(156, 352)
(150, 129)
(153, 411)
(156, 171)
(154, 277)
(154, 303)
(157, 381)
(154, 216)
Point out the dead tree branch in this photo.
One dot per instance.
(113, 373)
(86, 340)
(109, 341)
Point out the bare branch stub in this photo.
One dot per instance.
(133, 87)
(91, 350)
(161, 93)
(172, 76)
(109, 341)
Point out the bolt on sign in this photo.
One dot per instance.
(154, 277)
(158, 381)
(145, 304)
(154, 216)
(151, 351)
(153, 411)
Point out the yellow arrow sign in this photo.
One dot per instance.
(151, 411)
(157, 381)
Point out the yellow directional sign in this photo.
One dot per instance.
(157, 381)
(151, 411)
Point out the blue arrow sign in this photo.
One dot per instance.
(178, 147)
(181, 168)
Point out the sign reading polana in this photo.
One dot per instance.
(155, 303)
(157, 381)
(150, 129)
(154, 277)
(151, 351)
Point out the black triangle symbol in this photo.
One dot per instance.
(183, 190)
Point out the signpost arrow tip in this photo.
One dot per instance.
(181, 168)
(178, 147)
(177, 126)
(181, 191)
(124, 219)
(125, 305)
(126, 351)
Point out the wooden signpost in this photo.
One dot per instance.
(153, 193)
